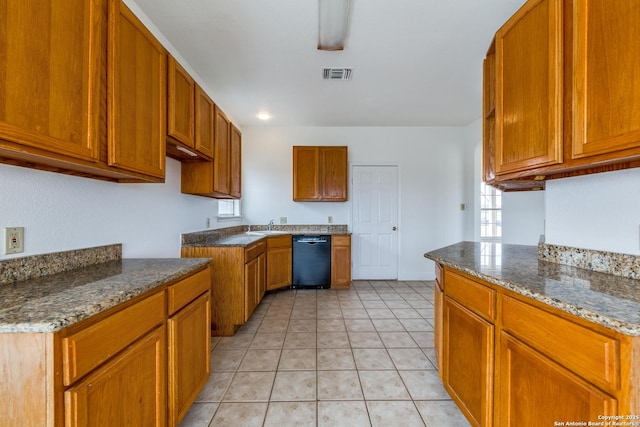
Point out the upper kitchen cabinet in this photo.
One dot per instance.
(50, 78)
(320, 174)
(181, 93)
(606, 112)
(235, 153)
(528, 99)
(56, 84)
(205, 111)
(558, 97)
(219, 178)
(190, 115)
(136, 95)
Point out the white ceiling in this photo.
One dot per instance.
(415, 62)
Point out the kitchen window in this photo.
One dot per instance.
(490, 213)
(228, 209)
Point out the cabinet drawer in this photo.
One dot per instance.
(341, 240)
(473, 295)
(252, 251)
(593, 356)
(185, 291)
(88, 348)
(274, 242)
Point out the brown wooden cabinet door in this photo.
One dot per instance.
(605, 92)
(130, 389)
(189, 353)
(262, 277)
(467, 364)
(320, 174)
(279, 268)
(529, 88)
(235, 166)
(334, 172)
(489, 115)
(306, 186)
(136, 96)
(180, 104)
(251, 284)
(553, 394)
(205, 113)
(221, 169)
(340, 261)
(51, 53)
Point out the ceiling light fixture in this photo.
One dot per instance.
(332, 23)
(264, 116)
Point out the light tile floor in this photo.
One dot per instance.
(355, 357)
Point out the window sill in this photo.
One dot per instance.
(228, 218)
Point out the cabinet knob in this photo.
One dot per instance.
(394, 228)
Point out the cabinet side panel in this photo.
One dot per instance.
(26, 380)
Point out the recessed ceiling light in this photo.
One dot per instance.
(264, 116)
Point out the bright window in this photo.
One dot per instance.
(228, 208)
(490, 213)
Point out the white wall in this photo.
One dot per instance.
(600, 211)
(61, 212)
(433, 163)
(522, 217)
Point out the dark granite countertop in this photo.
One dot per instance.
(53, 302)
(240, 236)
(605, 299)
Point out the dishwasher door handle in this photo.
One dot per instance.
(312, 241)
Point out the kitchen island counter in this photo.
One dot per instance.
(605, 299)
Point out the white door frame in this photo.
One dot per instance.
(399, 207)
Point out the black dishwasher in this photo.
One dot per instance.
(311, 262)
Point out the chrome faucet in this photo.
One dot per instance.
(270, 226)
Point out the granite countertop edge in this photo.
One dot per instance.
(627, 328)
(46, 311)
(244, 239)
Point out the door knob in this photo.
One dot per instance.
(394, 228)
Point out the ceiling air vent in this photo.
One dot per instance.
(336, 73)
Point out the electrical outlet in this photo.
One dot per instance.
(13, 240)
(283, 220)
(330, 219)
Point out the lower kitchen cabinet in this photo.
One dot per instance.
(467, 365)
(340, 260)
(508, 360)
(130, 389)
(553, 393)
(139, 363)
(189, 343)
(238, 283)
(279, 261)
(254, 281)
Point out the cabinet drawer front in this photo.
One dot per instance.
(254, 250)
(279, 242)
(88, 348)
(593, 356)
(341, 240)
(185, 291)
(472, 295)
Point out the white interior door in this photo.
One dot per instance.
(375, 222)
